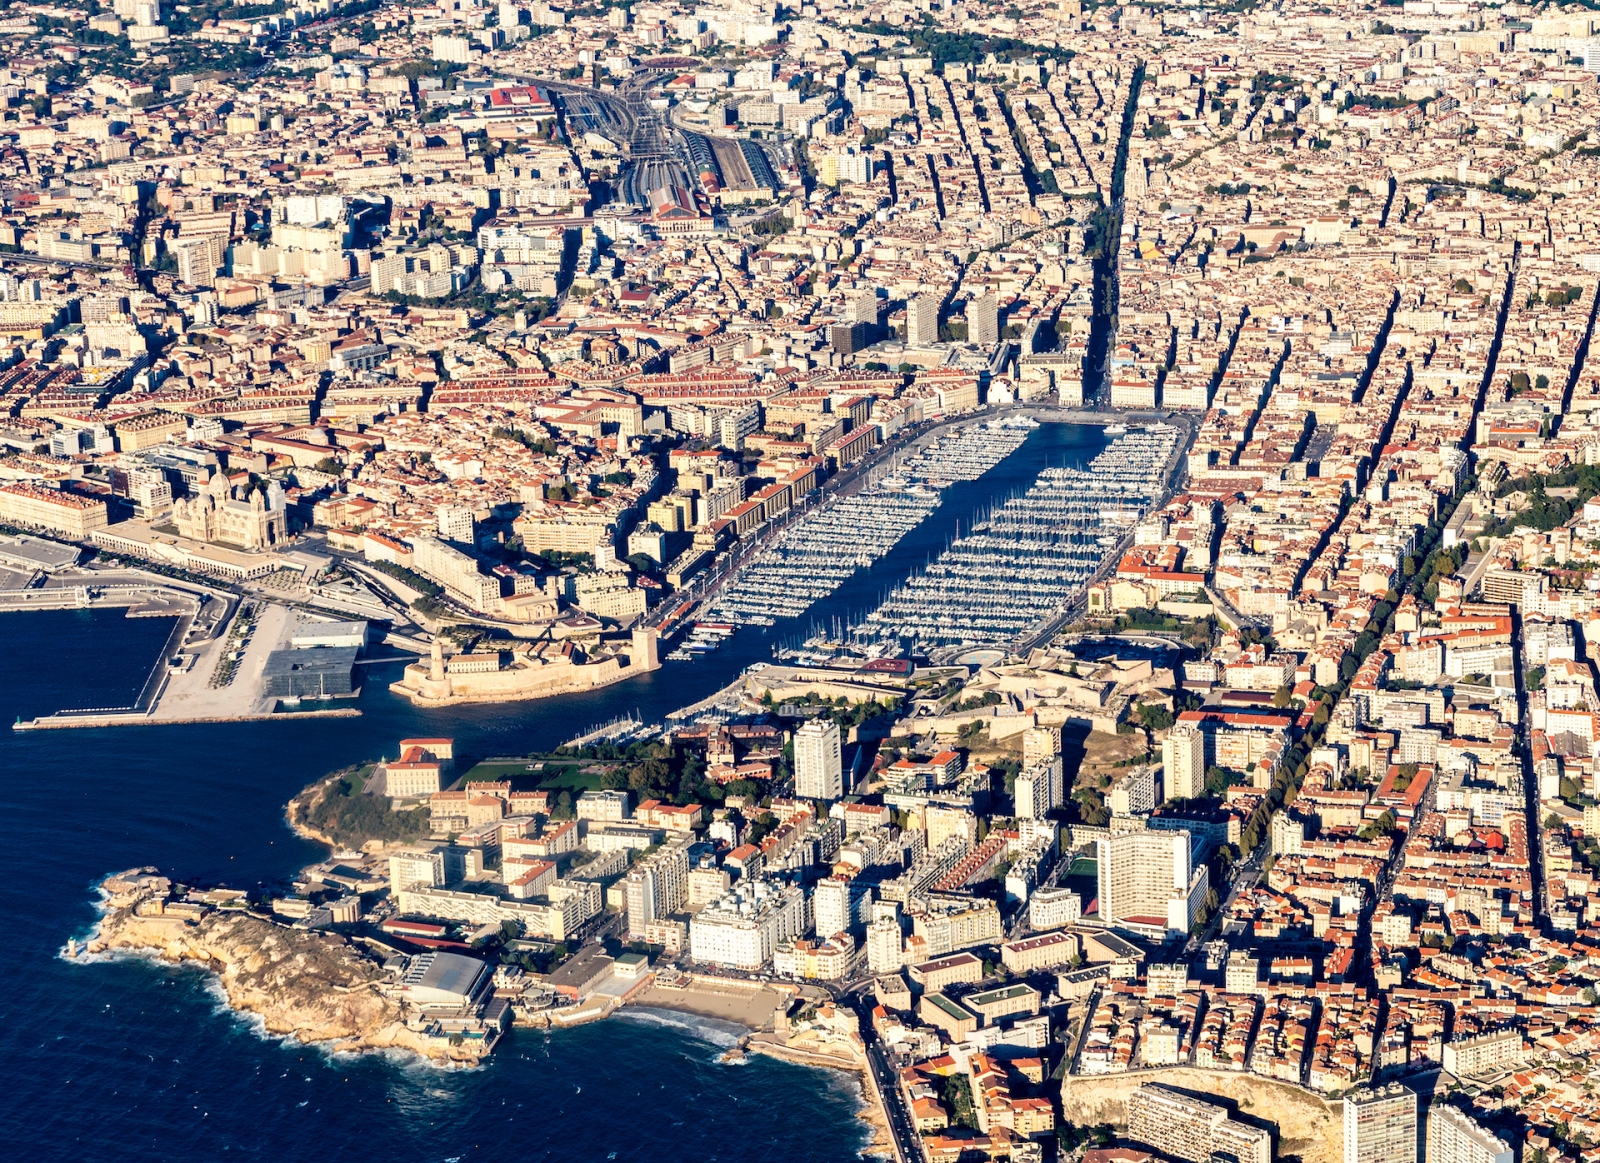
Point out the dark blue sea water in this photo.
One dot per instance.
(130, 1060)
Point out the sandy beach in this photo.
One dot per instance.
(751, 1008)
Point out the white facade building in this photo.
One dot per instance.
(1038, 790)
(741, 930)
(1455, 1138)
(1054, 908)
(818, 763)
(1380, 1126)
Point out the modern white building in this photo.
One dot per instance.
(818, 761)
(1380, 1126)
(1455, 1138)
(983, 320)
(743, 928)
(1191, 1130)
(411, 866)
(922, 320)
(840, 904)
(455, 524)
(658, 886)
(885, 946)
(1149, 881)
(1134, 794)
(1037, 790)
(1183, 762)
(1054, 908)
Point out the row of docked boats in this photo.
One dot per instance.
(815, 555)
(1029, 560)
(703, 638)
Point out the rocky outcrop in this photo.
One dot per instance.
(315, 987)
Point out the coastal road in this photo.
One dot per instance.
(902, 1128)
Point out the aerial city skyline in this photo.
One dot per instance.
(1039, 557)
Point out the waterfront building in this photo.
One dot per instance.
(1453, 1137)
(1380, 1126)
(53, 510)
(445, 980)
(457, 572)
(658, 886)
(1149, 881)
(741, 930)
(412, 776)
(827, 959)
(1188, 1129)
(818, 767)
(317, 673)
(253, 523)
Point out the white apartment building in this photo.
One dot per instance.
(1455, 1138)
(1149, 881)
(1183, 762)
(658, 886)
(840, 904)
(1134, 794)
(818, 762)
(1054, 908)
(743, 928)
(885, 946)
(1040, 745)
(455, 524)
(949, 924)
(922, 320)
(411, 866)
(1193, 1131)
(1380, 1126)
(1485, 1053)
(1038, 790)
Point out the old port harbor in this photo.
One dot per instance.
(814, 556)
(1013, 573)
(1025, 564)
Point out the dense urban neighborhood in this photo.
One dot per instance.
(1222, 785)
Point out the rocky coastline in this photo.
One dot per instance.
(315, 987)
